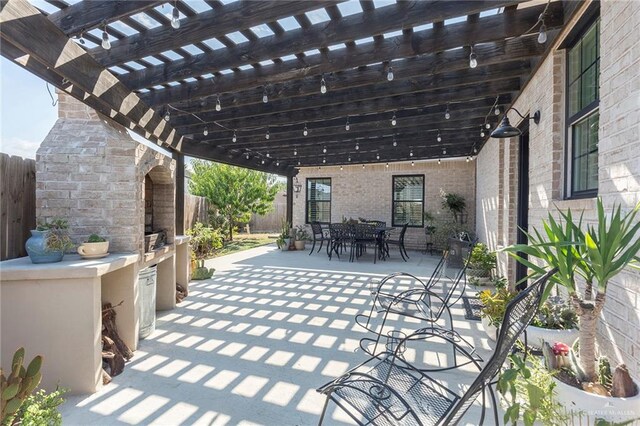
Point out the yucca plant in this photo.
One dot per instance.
(597, 255)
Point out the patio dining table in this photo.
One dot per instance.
(346, 234)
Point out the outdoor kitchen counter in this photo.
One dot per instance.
(55, 310)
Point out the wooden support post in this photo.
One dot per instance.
(179, 193)
(290, 199)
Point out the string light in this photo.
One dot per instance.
(363, 166)
(305, 131)
(413, 164)
(439, 161)
(323, 86)
(349, 159)
(106, 44)
(496, 110)
(357, 146)
(395, 142)
(298, 162)
(473, 59)
(234, 137)
(205, 131)
(347, 126)
(167, 115)
(481, 131)
(468, 159)
(475, 150)
(390, 74)
(246, 156)
(324, 150)
(268, 156)
(387, 165)
(265, 97)
(295, 152)
(411, 153)
(267, 135)
(447, 114)
(262, 161)
(277, 163)
(377, 156)
(444, 151)
(218, 104)
(487, 126)
(175, 16)
(542, 35)
(393, 119)
(341, 168)
(439, 138)
(324, 161)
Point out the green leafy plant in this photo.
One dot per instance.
(595, 255)
(494, 304)
(284, 236)
(95, 238)
(41, 408)
(455, 203)
(16, 388)
(204, 242)
(528, 390)
(56, 234)
(557, 314)
(302, 234)
(481, 258)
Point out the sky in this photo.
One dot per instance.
(26, 113)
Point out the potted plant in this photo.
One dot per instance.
(481, 264)
(95, 246)
(556, 321)
(204, 243)
(455, 203)
(596, 255)
(284, 240)
(49, 241)
(302, 236)
(494, 304)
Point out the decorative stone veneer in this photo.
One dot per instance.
(619, 163)
(357, 192)
(91, 172)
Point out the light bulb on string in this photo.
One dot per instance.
(447, 114)
(487, 125)
(341, 168)
(377, 156)
(262, 161)
(246, 156)
(323, 86)
(444, 151)
(413, 164)
(324, 150)
(473, 59)
(218, 104)
(234, 137)
(475, 150)
(411, 153)
(277, 163)
(357, 146)
(267, 135)
(265, 97)
(390, 74)
(175, 17)
(363, 166)
(496, 111)
(298, 162)
(295, 152)
(468, 159)
(542, 35)
(395, 142)
(205, 131)
(106, 44)
(324, 161)
(439, 161)
(268, 155)
(349, 159)
(387, 165)
(167, 115)
(393, 119)
(347, 126)
(305, 131)
(439, 138)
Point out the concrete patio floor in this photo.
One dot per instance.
(251, 345)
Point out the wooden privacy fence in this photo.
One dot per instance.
(271, 221)
(196, 209)
(17, 204)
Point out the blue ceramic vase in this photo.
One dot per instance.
(37, 249)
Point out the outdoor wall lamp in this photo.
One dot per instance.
(297, 186)
(506, 130)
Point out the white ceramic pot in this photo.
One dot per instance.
(93, 249)
(537, 335)
(491, 330)
(594, 406)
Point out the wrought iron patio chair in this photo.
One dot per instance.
(399, 242)
(405, 294)
(364, 235)
(387, 390)
(340, 236)
(319, 234)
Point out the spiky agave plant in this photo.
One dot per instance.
(597, 255)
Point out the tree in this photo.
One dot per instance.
(236, 192)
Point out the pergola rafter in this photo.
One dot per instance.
(234, 51)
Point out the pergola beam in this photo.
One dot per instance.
(354, 27)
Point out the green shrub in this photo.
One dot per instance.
(41, 408)
(204, 242)
(95, 238)
(481, 258)
(494, 304)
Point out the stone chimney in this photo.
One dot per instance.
(90, 172)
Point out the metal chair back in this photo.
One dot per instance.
(316, 228)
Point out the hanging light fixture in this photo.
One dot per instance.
(390, 74)
(473, 58)
(411, 153)
(387, 165)
(347, 126)
(349, 159)
(482, 134)
(444, 151)
(277, 163)
(265, 97)
(106, 44)
(305, 131)
(496, 110)
(447, 114)
(247, 156)
(357, 146)
(323, 86)
(393, 119)
(298, 162)
(268, 156)
(167, 115)
(475, 150)
(205, 131)
(377, 156)
(324, 150)
(363, 166)
(487, 125)
(439, 161)
(395, 142)
(175, 16)
(542, 35)
(506, 130)
(295, 152)
(468, 159)
(413, 164)
(218, 104)
(324, 161)
(267, 135)
(262, 161)
(439, 138)
(234, 137)
(341, 168)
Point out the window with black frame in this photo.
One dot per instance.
(318, 200)
(583, 74)
(408, 200)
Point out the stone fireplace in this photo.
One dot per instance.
(92, 173)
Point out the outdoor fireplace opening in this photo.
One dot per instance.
(158, 208)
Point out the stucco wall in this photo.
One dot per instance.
(619, 163)
(358, 192)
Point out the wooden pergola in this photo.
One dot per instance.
(242, 82)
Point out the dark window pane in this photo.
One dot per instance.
(584, 137)
(574, 63)
(589, 90)
(589, 47)
(574, 98)
(408, 200)
(319, 200)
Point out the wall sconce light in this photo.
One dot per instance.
(297, 186)
(506, 130)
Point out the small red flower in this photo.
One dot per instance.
(560, 348)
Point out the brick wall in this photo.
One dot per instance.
(90, 172)
(357, 192)
(619, 163)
